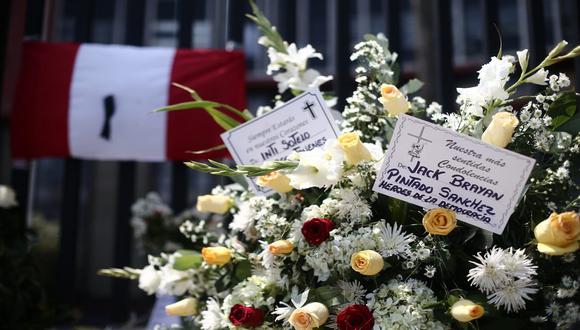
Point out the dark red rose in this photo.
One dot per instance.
(247, 317)
(355, 317)
(317, 230)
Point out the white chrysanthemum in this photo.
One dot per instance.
(351, 206)
(518, 265)
(318, 168)
(212, 318)
(392, 241)
(512, 296)
(354, 292)
(489, 273)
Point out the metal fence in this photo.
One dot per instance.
(434, 47)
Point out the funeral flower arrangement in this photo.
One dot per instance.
(326, 251)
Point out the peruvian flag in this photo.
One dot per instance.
(95, 101)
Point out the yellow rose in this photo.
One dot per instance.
(276, 181)
(559, 234)
(466, 310)
(500, 130)
(219, 204)
(367, 262)
(185, 307)
(354, 150)
(218, 255)
(439, 221)
(280, 247)
(393, 100)
(310, 316)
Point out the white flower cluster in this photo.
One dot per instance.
(161, 277)
(257, 217)
(334, 255)
(536, 124)
(558, 82)
(506, 276)
(564, 309)
(364, 113)
(492, 79)
(293, 63)
(404, 305)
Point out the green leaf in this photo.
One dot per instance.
(187, 259)
(243, 270)
(412, 86)
(225, 121)
(205, 151)
(398, 210)
(563, 109)
(452, 299)
(327, 295)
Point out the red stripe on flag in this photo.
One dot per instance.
(216, 76)
(39, 121)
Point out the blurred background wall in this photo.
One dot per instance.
(81, 208)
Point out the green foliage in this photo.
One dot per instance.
(273, 38)
(217, 168)
(187, 259)
(563, 109)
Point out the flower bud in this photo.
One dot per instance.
(394, 102)
(354, 150)
(281, 247)
(439, 221)
(185, 307)
(218, 255)
(367, 262)
(559, 234)
(276, 181)
(311, 316)
(466, 310)
(500, 130)
(219, 204)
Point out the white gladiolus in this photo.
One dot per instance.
(149, 279)
(523, 58)
(538, 78)
(7, 197)
(318, 168)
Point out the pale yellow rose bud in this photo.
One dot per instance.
(559, 234)
(500, 130)
(354, 150)
(466, 310)
(185, 307)
(439, 221)
(311, 316)
(393, 100)
(276, 181)
(367, 262)
(219, 204)
(280, 247)
(218, 255)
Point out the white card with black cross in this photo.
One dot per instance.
(301, 124)
(432, 166)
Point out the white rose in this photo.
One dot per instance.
(7, 197)
(149, 279)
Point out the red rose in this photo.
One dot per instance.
(355, 317)
(317, 230)
(247, 317)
